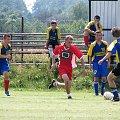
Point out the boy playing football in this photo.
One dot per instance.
(4, 65)
(66, 53)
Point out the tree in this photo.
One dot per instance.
(13, 5)
(80, 11)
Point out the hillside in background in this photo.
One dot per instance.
(71, 15)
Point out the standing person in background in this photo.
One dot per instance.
(53, 38)
(114, 48)
(4, 65)
(90, 30)
(96, 52)
(66, 53)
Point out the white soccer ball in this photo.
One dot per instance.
(108, 95)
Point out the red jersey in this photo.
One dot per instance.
(66, 55)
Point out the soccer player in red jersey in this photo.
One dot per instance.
(66, 53)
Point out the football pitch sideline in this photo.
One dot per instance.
(53, 105)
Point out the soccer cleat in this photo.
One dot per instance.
(115, 99)
(7, 93)
(69, 97)
(52, 84)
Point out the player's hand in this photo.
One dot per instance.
(90, 67)
(93, 32)
(46, 47)
(85, 72)
(8, 56)
(53, 66)
(100, 62)
(108, 65)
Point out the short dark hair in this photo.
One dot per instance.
(115, 32)
(97, 17)
(69, 37)
(6, 35)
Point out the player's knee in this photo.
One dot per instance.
(110, 77)
(50, 51)
(65, 77)
(6, 76)
(86, 33)
(50, 46)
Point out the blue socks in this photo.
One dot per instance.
(102, 87)
(96, 88)
(115, 92)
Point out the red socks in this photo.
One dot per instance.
(86, 40)
(6, 84)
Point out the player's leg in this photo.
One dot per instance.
(96, 77)
(96, 85)
(111, 77)
(67, 85)
(6, 82)
(55, 83)
(104, 73)
(103, 82)
(56, 56)
(50, 50)
(86, 37)
(5, 72)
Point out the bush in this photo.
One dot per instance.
(30, 76)
(38, 76)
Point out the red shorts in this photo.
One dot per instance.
(65, 71)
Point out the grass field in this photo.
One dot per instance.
(53, 105)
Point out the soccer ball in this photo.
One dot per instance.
(108, 95)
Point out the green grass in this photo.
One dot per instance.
(53, 105)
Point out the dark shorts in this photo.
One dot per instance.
(4, 67)
(91, 39)
(53, 43)
(116, 70)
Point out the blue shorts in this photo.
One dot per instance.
(100, 70)
(4, 67)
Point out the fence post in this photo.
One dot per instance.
(22, 31)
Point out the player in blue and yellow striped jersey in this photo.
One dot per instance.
(4, 57)
(114, 48)
(96, 52)
(90, 30)
(53, 38)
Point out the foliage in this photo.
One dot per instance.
(38, 76)
(34, 76)
(13, 5)
(75, 26)
(79, 11)
(72, 16)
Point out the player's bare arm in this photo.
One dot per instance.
(106, 57)
(90, 63)
(5, 56)
(83, 67)
(53, 61)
